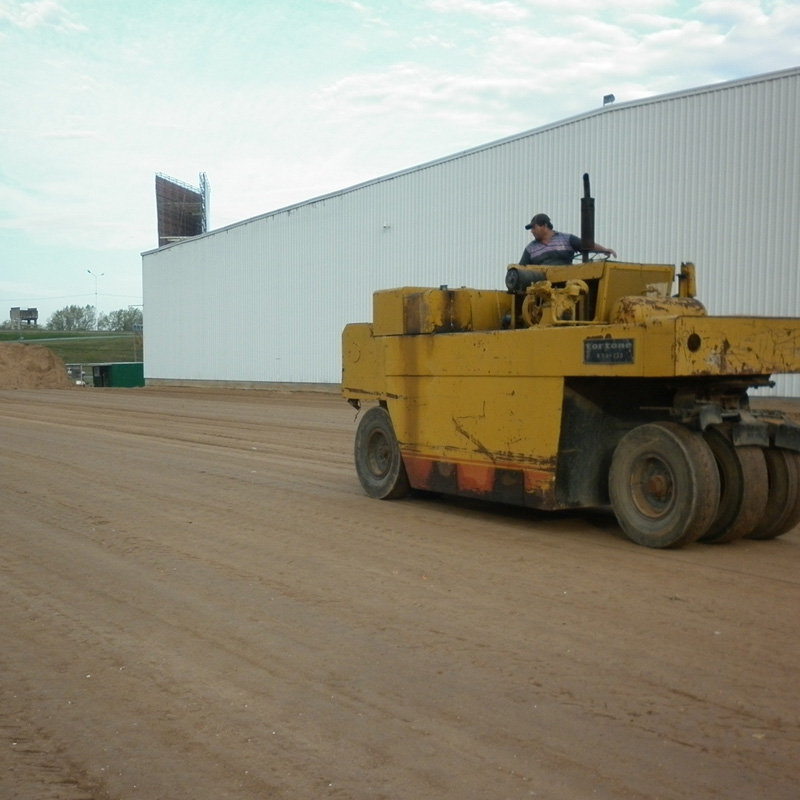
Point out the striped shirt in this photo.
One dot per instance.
(560, 249)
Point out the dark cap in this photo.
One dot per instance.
(539, 219)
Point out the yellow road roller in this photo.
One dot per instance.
(592, 384)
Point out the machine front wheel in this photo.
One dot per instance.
(664, 485)
(379, 464)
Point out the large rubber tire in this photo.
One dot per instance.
(379, 464)
(744, 486)
(664, 485)
(783, 505)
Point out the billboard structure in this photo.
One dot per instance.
(182, 210)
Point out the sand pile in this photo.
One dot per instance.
(31, 366)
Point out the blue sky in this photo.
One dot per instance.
(280, 101)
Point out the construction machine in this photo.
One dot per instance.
(580, 386)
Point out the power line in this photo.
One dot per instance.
(65, 297)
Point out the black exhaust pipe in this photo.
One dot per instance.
(587, 219)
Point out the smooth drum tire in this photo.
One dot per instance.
(664, 485)
(379, 464)
(744, 487)
(783, 506)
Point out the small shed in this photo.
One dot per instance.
(126, 374)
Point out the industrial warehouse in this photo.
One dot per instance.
(708, 175)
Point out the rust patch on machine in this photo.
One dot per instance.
(513, 484)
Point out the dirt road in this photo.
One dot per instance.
(199, 602)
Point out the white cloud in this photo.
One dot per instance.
(730, 12)
(70, 134)
(38, 13)
(747, 26)
(503, 11)
(352, 4)
(431, 40)
(411, 88)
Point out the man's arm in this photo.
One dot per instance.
(595, 248)
(607, 251)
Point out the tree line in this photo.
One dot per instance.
(86, 318)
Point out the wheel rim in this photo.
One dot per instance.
(379, 454)
(652, 487)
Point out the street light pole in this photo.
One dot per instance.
(97, 316)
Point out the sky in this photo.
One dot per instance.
(281, 101)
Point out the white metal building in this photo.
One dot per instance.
(710, 175)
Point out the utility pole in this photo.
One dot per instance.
(96, 314)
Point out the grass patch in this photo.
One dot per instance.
(82, 347)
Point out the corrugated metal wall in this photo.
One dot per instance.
(710, 176)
